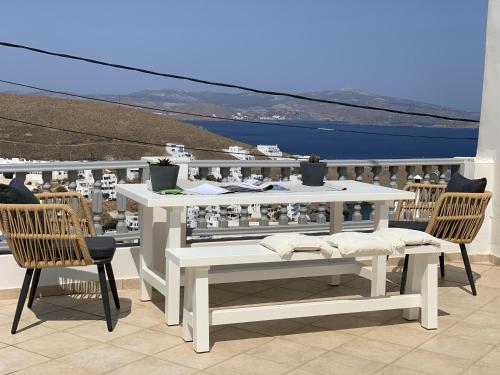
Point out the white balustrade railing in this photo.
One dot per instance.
(230, 221)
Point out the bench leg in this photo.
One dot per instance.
(172, 299)
(422, 279)
(429, 290)
(146, 250)
(201, 323)
(334, 280)
(378, 275)
(187, 329)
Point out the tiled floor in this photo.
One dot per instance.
(67, 334)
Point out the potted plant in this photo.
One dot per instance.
(313, 171)
(163, 174)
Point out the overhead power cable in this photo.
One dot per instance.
(113, 138)
(232, 119)
(231, 85)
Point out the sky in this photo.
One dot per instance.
(426, 50)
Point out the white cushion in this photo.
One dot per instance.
(409, 237)
(352, 244)
(286, 244)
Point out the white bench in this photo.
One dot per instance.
(206, 265)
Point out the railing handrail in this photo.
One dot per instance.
(72, 165)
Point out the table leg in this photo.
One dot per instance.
(174, 240)
(146, 250)
(381, 215)
(187, 329)
(379, 263)
(336, 222)
(201, 319)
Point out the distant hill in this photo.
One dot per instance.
(20, 140)
(257, 106)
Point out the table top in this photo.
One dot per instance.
(297, 193)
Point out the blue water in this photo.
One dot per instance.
(334, 145)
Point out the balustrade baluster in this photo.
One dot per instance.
(266, 173)
(321, 215)
(342, 173)
(201, 220)
(356, 215)
(72, 177)
(376, 181)
(244, 220)
(358, 171)
(264, 215)
(302, 219)
(427, 169)
(97, 200)
(144, 174)
(223, 221)
(283, 220)
(246, 172)
(47, 180)
(285, 173)
(393, 183)
(224, 172)
(121, 203)
(443, 169)
(410, 174)
(203, 173)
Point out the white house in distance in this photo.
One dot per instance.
(273, 151)
(178, 151)
(239, 153)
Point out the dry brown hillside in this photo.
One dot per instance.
(21, 140)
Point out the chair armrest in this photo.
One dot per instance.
(457, 217)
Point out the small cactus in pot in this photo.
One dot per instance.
(313, 171)
(163, 174)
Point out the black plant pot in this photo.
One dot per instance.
(313, 174)
(163, 177)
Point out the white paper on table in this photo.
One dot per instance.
(207, 189)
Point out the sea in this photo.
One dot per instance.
(331, 144)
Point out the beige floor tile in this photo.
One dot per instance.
(152, 366)
(272, 327)
(339, 292)
(365, 285)
(38, 308)
(401, 334)
(347, 324)
(318, 337)
(433, 363)
(245, 364)
(373, 350)
(144, 317)
(186, 356)
(396, 370)
(56, 345)
(101, 358)
(235, 339)
(492, 306)
(24, 332)
(307, 285)
(475, 332)
(53, 367)
(482, 369)
(300, 372)
(98, 331)
(67, 318)
(278, 294)
(492, 358)
(490, 278)
(457, 347)
(172, 330)
(96, 308)
(13, 359)
(380, 316)
(147, 341)
(333, 363)
(484, 318)
(68, 300)
(219, 296)
(244, 301)
(250, 287)
(286, 352)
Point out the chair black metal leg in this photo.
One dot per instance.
(22, 299)
(468, 268)
(34, 285)
(441, 264)
(112, 284)
(104, 295)
(403, 275)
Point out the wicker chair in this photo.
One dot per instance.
(416, 213)
(457, 218)
(52, 235)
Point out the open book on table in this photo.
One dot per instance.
(249, 185)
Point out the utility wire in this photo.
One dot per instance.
(230, 85)
(143, 143)
(232, 119)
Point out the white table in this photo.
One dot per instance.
(163, 226)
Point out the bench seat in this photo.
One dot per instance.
(204, 265)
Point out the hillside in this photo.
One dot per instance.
(27, 141)
(257, 106)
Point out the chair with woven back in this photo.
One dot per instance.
(456, 216)
(53, 230)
